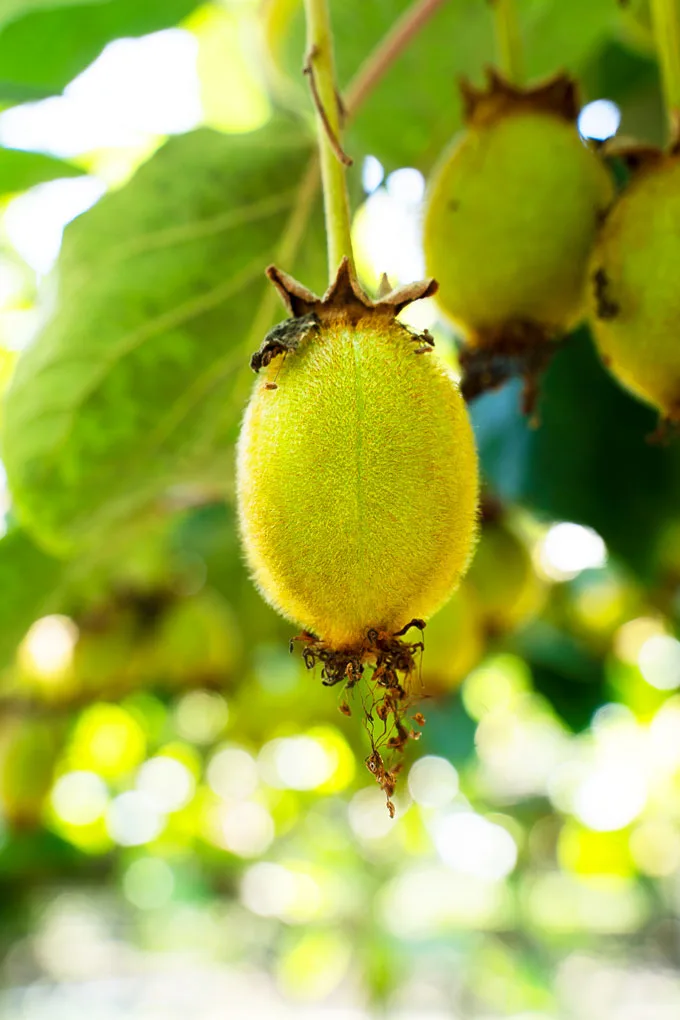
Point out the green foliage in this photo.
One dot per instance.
(28, 577)
(13, 9)
(130, 388)
(21, 170)
(34, 64)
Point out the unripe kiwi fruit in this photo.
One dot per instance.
(635, 296)
(357, 473)
(454, 642)
(197, 639)
(502, 577)
(511, 216)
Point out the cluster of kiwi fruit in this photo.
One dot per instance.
(357, 475)
(512, 215)
(526, 237)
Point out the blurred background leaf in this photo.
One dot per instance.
(21, 170)
(41, 51)
(12, 9)
(130, 388)
(28, 577)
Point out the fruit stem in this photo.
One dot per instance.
(320, 67)
(666, 20)
(369, 75)
(508, 40)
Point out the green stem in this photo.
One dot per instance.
(321, 68)
(369, 75)
(667, 33)
(509, 40)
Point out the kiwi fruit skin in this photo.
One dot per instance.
(511, 217)
(635, 299)
(357, 482)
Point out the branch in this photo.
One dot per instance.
(387, 52)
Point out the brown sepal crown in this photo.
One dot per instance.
(345, 299)
(482, 106)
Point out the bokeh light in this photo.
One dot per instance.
(659, 662)
(135, 88)
(79, 798)
(472, 845)
(167, 782)
(202, 716)
(568, 549)
(47, 649)
(108, 740)
(133, 819)
(232, 773)
(148, 883)
(599, 119)
(433, 781)
(296, 763)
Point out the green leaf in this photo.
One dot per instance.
(43, 51)
(20, 170)
(130, 388)
(416, 110)
(559, 36)
(13, 9)
(28, 577)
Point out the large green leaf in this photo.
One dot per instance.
(415, 109)
(563, 36)
(20, 170)
(130, 388)
(28, 577)
(43, 51)
(13, 9)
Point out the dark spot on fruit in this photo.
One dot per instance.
(605, 307)
(283, 339)
(601, 216)
(454, 205)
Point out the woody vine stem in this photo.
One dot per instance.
(666, 20)
(320, 68)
